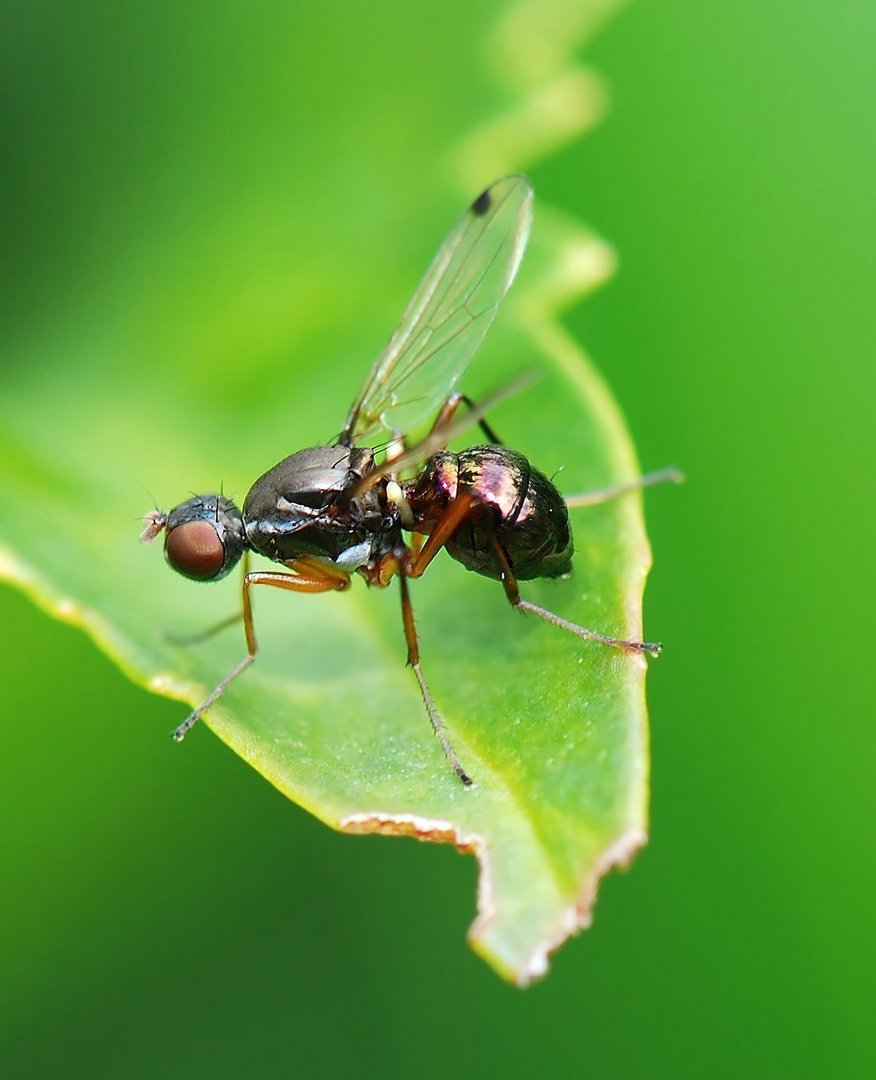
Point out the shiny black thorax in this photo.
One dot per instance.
(301, 507)
(513, 502)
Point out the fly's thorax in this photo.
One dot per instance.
(310, 478)
(302, 506)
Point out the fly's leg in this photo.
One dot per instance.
(310, 576)
(414, 662)
(601, 495)
(202, 635)
(216, 628)
(448, 411)
(455, 514)
(446, 525)
(512, 591)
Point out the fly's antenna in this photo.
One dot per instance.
(153, 522)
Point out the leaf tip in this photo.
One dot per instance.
(580, 916)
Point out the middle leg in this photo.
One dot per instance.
(310, 576)
(414, 661)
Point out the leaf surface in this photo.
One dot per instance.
(212, 299)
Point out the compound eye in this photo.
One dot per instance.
(195, 550)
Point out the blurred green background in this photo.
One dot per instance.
(168, 913)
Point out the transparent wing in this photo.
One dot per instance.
(448, 316)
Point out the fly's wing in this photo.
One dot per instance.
(449, 315)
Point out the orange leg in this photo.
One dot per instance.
(316, 578)
(446, 525)
(415, 546)
(414, 660)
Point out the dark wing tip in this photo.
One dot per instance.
(482, 203)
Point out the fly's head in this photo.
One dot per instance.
(204, 537)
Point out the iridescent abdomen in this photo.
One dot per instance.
(515, 503)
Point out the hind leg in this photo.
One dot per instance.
(512, 591)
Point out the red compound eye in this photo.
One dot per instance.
(195, 550)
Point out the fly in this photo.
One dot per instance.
(332, 511)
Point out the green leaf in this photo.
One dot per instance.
(206, 299)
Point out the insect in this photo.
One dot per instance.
(343, 508)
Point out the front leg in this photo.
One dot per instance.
(215, 628)
(309, 576)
